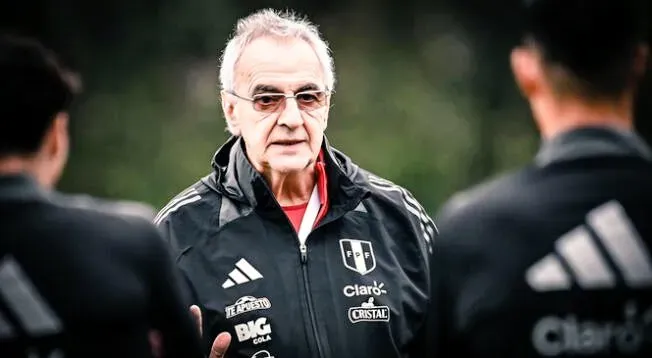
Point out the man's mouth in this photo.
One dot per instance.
(287, 142)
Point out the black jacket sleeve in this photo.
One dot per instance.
(421, 344)
(172, 245)
(439, 323)
(447, 262)
(169, 313)
(427, 232)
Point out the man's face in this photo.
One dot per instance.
(281, 134)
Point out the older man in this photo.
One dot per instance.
(288, 245)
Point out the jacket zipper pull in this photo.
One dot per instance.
(304, 253)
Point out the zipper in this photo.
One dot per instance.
(303, 250)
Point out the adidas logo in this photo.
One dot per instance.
(242, 273)
(595, 255)
(32, 313)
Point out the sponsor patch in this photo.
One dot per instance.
(378, 289)
(258, 331)
(368, 312)
(570, 335)
(262, 354)
(247, 304)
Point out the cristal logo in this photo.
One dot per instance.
(369, 312)
(554, 336)
(362, 290)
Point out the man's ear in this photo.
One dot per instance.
(53, 153)
(228, 108)
(56, 141)
(527, 69)
(327, 111)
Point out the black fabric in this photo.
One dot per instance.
(106, 278)
(485, 302)
(593, 142)
(231, 215)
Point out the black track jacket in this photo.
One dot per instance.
(358, 288)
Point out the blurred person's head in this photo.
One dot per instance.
(273, 55)
(35, 94)
(581, 62)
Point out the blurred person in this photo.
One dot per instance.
(554, 259)
(122, 206)
(78, 277)
(290, 249)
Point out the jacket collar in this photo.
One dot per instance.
(592, 142)
(20, 187)
(236, 178)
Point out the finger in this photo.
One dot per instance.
(196, 313)
(220, 345)
(156, 343)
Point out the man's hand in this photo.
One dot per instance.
(221, 342)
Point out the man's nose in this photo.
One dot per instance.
(290, 115)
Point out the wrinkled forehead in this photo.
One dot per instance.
(270, 64)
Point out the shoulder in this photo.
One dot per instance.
(197, 201)
(111, 223)
(474, 212)
(393, 196)
(390, 193)
(397, 204)
(106, 206)
(493, 193)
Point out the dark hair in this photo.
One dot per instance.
(34, 88)
(593, 42)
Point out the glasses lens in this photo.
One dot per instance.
(268, 102)
(307, 101)
(311, 100)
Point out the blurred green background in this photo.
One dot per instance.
(424, 95)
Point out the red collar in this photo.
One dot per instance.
(322, 186)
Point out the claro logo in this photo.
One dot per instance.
(378, 289)
(553, 336)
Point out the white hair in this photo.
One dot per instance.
(269, 22)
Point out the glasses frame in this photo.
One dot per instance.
(282, 102)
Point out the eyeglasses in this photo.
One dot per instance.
(272, 102)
